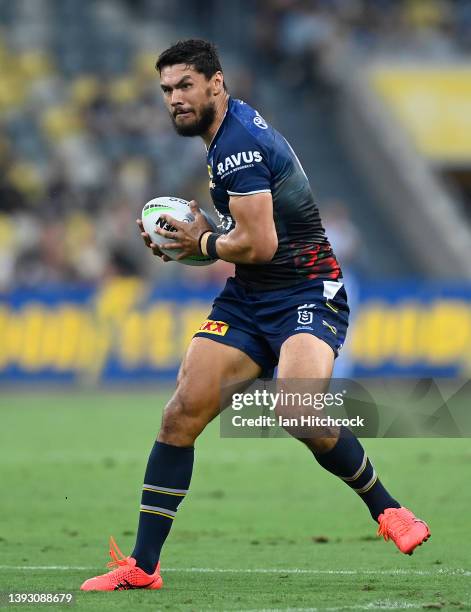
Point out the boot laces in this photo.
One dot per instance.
(394, 524)
(117, 557)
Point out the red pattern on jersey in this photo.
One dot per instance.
(316, 261)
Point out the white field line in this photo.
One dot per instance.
(214, 570)
(386, 604)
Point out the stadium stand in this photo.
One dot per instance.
(84, 140)
(372, 63)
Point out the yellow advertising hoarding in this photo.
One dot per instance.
(434, 105)
(125, 331)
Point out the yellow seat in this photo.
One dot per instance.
(7, 233)
(84, 89)
(26, 178)
(144, 65)
(61, 121)
(35, 64)
(12, 91)
(123, 90)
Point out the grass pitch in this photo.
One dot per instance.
(263, 528)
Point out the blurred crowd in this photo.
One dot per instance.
(84, 144)
(79, 175)
(302, 35)
(85, 140)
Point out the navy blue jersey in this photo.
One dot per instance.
(248, 156)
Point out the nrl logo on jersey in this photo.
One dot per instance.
(238, 160)
(305, 314)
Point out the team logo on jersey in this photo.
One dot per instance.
(219, 328)
(305, 314)
(210, 172)
(260, 121)
(237, 161)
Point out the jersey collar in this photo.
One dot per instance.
(218, 131)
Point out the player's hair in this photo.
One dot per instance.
(200, 54)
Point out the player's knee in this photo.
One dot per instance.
(178, 421)
(183, 419)
(297, 422)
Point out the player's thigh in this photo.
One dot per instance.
(306, 364)
(305, 356)
(305, 367)
(208, 368)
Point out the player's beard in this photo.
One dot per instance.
(200, 125)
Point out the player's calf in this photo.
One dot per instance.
(170, 466)
(319, 439)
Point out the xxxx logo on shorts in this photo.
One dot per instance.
(214, 327)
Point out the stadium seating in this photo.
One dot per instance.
(83, 132)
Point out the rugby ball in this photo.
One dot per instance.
(180, 210)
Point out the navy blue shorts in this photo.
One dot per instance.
(258, 322)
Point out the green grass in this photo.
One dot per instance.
(71, 473)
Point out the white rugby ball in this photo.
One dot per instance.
(180, 210)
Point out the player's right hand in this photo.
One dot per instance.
(148, 242)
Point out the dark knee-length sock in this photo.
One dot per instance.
(166, 483)
(348, 461)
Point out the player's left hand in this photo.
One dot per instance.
(187, 235)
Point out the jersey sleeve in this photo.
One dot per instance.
(242, 165)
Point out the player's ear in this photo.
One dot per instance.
(218, 82)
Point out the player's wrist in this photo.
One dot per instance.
(207, 244)
(202, 242)
(211, 245)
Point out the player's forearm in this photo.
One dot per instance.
(239, 248)
(236, 250)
